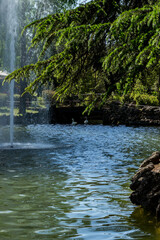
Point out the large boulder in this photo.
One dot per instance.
(146, 185)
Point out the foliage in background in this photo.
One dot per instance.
(138, 95)
(26, 12)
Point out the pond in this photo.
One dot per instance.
(77, 187)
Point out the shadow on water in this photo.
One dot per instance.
(146, 225)
(36, 158)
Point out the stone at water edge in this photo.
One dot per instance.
(146, 185)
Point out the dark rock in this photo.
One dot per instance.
(116, 113)
(154, 158)
(146, 185)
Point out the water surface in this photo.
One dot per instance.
(77, 187)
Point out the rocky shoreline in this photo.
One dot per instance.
(130, 114)
(113, 113)
(146, 185)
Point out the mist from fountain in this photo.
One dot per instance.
(8, 12)
(9, 7)
(13, 32)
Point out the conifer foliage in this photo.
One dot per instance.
(98, 45)
(135, 44)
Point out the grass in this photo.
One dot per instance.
(4, 111)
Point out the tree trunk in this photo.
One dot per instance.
(158, 88)
(23, 52)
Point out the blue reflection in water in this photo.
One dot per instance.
(73, 182)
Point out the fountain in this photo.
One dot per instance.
(11, 22)
(13, 32)
(9, 6)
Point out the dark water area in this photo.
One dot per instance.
(72, 182)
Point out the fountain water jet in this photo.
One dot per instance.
(13, 33)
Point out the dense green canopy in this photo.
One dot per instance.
(100, 45)
(135, 44)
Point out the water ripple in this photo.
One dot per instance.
(78, 188)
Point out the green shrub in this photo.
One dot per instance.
(145, 99)
(16, 97)
(137, 98)
(3, 96)
(3, 99)
(125, 98)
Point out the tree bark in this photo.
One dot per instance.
(158, 88)
(23, 83)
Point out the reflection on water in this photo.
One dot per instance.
(76, 189)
